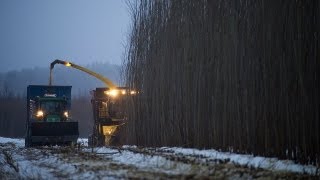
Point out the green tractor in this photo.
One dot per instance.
(54, 108)
(49, 121)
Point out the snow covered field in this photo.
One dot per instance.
(17, 162)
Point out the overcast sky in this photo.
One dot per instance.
(35, 32)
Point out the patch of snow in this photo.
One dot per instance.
(17, 142)
(50, 163)
(27, 169)
(83, 141)
(147, 162)
(248, 160)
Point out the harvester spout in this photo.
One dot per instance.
(57, 61)
(107, 81)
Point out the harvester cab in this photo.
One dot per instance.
(109, 114)
(108, 107)
(49, 121)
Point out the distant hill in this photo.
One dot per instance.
(82, 83)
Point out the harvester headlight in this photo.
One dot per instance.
(66, 114)
(113, 93)
(133, 92)
(39, 113)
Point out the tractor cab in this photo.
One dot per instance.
(51, 109)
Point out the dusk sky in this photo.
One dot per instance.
(34, 33)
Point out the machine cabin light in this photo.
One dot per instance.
(112, 92)
(133, 92)
(39, 114)
(119, 92)
(66, 114)
(108, 130)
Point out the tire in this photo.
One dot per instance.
(27, 140)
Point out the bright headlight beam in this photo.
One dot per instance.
(66, 114)
(133, 92)
(113, 93)
(39, 113)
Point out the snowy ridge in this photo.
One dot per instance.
(147, 162)
(249, 160)
(18, 162)
(17, 142)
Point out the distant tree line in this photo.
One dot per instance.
(238, 76)
(12, 113)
